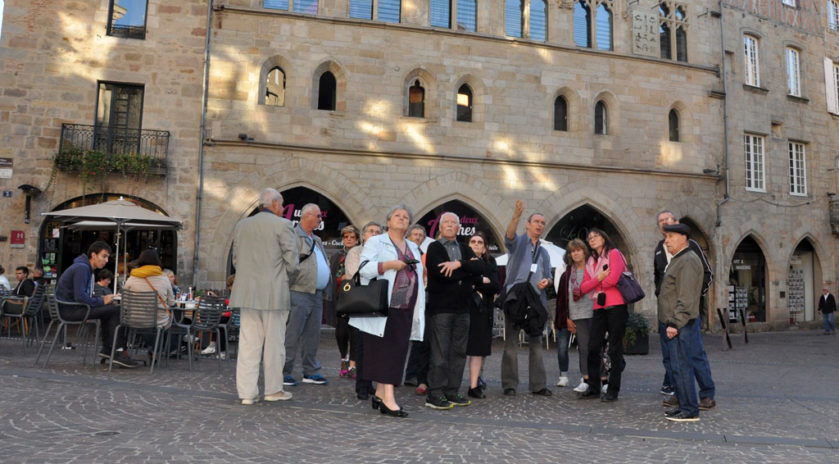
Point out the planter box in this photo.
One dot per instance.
(640, 346)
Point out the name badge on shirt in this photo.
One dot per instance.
(534, 267)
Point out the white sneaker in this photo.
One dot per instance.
(278, 396)
(210, 349)
(562, 382)
(582, 387)
(249, 401)
(223, 355)
(604, 388)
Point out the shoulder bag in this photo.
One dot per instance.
(629, 287)
(356, 300)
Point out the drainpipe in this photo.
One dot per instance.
(200, 193)
(724, 116)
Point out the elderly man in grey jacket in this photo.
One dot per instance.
(678, 310)
(307, 290)
(265, 257)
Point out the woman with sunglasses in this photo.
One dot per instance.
(480, 318)
(603, 269)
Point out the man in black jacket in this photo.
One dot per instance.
(452, 269)
(25, 285)
(827, 306)
(702, 369)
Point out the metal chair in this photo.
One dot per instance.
(138, 312)
(61, 325)
(206, 319)
(29, 308)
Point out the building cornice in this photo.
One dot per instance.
(332, 151)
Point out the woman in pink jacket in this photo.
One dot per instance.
(603, 269)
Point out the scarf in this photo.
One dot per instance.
(146, 271)
(593, 267)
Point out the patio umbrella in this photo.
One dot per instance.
(122, 214)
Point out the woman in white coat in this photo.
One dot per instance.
(386, 339)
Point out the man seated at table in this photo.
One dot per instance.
(76, 285)
(25, 285)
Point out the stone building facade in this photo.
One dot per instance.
(595, 113)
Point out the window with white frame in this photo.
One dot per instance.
(793, 72)
(797, 169)
(751, 51)
(833, 14)
(755, 174)
(831, 85)
(788, 2)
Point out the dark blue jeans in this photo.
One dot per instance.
(562, 338)
(701, 368)
(679, 349)
(829, 326)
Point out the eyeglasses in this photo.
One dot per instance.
(592, 237)
(481, 242)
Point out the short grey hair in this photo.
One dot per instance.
(415, 227)
(535, 214)
(369, 225)
(449, 213)
(168, 272)
(267, 197)
(396, 208)
(307, 208)
(664, 211)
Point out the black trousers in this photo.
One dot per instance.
(362, 385)
(108, 314)
(418, 358)
(612, 320)
(449, 336)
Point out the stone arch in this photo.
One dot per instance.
(572, 100)
(686, 123)
(429, 83)
(805, 278)
(340, 84)
(471, 202)
(758, 301)
(479, 96)
(269, 64)
(612, 111)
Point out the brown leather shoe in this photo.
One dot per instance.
(670, 402)
(706, 404)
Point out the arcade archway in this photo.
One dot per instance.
(747, 279)
(804, 282)
(577, 224)
(471, 221)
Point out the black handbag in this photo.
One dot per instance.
(356, 300)
(629, 288)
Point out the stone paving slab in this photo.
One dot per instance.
(777, 400)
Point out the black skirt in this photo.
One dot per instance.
(480, 332)
(384, 357)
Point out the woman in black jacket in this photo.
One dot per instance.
(480, 321)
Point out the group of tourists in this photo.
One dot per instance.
(441, 304)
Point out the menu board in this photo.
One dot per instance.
(738, 298)
(796, 290)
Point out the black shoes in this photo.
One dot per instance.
(440, 403)
(608, 397)
(476, 392)
(458, 400)
(680, 416)
(509, 392)
(588, 394)
(392, 412)
(543, 392)
(376, 402)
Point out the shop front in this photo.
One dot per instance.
(747, 283)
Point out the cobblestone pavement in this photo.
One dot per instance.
(777, 402)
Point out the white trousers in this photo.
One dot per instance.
(261, 340)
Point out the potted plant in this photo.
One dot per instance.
(636, 339)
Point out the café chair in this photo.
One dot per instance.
(138, 313)
(61, 326)
(25, 309)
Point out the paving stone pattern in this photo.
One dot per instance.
(777, 402)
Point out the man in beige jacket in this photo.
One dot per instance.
(266, 259)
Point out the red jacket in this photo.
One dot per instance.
(608, 285)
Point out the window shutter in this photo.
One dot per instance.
(830, 87)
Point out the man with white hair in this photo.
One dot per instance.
(265, 257)
(452, 268)
(307, 299)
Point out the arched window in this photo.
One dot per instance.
(416, 100)
(513, 16)
(673, 123)
(464, 103)
(327, 91)
(673, 30)
(604, 27)
(600, 118)
(560, 114)
(538, 20)
(275, 87)
(582, 25)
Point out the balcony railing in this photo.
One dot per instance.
(149, 147)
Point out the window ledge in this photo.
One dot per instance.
(798, 99)
(799, 195)
(752, 88)
(754, 190)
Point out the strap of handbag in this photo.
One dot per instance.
(162, 301)
(357, 277)
(311, 250)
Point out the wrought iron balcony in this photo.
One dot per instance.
(123, 147)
